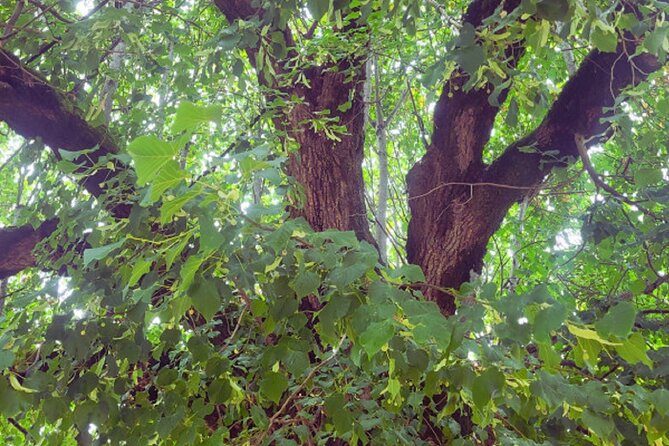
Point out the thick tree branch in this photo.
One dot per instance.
(440, 237)
(35, 109)
(583, 103)
(17, 244)
(328, 166)
(463, 119)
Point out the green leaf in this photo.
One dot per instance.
(189, 269)
(647, 176)
(660, 399)
(318, 8)
(169, 176)
(101, 252)
(189, 116)
(170, 207)
(150, 155)
(335, 406)
(486, 385)
(553, 10)
(618, 321)
(605, 40)
(602, 426)
(376, 336)
(273, 385)
(205, 298)
(305, 283)
(471, 58)
(634, 350)
(586, 333)
(6, 358)
(138, 270)
(548, 320)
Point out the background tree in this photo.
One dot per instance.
(202, 221)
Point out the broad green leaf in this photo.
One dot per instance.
(189, 116)
(634, 349)
(189, 269)
(171, 207)
(660, 399)
(273, 385)
(618, 321)
(140, 268)
(6, 358)
(169, 176)
(647, 176)
(150, 155)
(605, 40)
(486, 385)
(318, 8)
(305, 283)
(586, 333)
(471, 58)
(101, 252)
(602, 426)
(553, 10)
(548, 320)
(205, 298)
(335, 405)
(376, 336)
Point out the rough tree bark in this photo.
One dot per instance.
(445, 231)
(35, 109)
(457, 202)
(329, 172)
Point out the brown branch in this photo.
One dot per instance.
(51, 11)
(586, 98)
(35, 109)
(20, 428)
(12, 21)
(463, 118)
(47, 46)
(583, 153)
(286, 404)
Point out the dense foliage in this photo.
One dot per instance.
(181, 304)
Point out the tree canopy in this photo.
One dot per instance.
(283, 222)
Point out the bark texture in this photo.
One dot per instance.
(328, 171)
(457, 203)
(17, 244)
(35, 109)
(445, 235)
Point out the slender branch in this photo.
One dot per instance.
(51, 11)
(20, 428)
(583, 153)
(12, 21)
(289, 400)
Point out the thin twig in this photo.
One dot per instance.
(289, 400)
(583, 152)
(20, 428)
(53, 12)
(236, 329)
(12, 21)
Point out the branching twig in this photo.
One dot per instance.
(12, 21)
(286, 404)
(583, 152)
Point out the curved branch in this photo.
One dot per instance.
(35, 109)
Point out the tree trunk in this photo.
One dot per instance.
(329, 172)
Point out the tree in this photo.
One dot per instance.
(203, 220)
